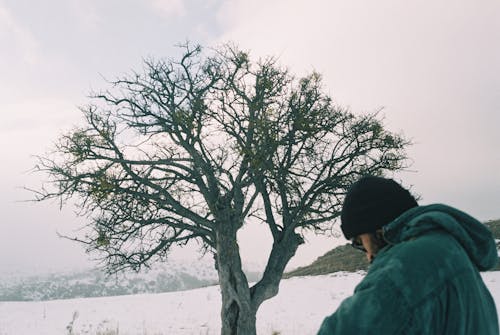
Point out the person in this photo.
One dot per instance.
(425, 262)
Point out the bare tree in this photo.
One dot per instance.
(192, 149)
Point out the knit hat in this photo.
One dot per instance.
(371, 203)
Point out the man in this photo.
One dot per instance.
(424, 277)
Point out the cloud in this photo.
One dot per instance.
(86, 13)
(14, 37)
(43, 115)
(169, 7)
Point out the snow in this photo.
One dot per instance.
(299, 308)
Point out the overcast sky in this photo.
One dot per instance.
(433, 66)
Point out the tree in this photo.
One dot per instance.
(193, 149)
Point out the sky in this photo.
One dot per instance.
(433, 67)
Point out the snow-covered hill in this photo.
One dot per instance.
(164, 277)
(299, 308)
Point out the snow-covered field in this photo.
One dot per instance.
(299, 308)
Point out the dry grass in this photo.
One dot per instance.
(343, 258)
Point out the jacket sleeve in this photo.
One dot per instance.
(375, 308)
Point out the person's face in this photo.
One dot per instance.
(371, 244)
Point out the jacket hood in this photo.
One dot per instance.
(476, 239)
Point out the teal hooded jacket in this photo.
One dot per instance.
(425, 281)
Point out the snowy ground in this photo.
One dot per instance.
(299, 308)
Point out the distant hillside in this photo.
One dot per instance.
(164, 277)
(343, 258)
(495, 229)
(346, 258)
(494, 225)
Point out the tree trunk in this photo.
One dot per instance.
(238, 313)
(238, 322)
(281, 253)
(239, 301)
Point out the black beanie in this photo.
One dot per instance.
(371, 203)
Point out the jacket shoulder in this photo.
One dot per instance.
(421, 265)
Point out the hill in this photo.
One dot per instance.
(346, 258)
(342, 258)
(171, 276)
(164, 277)
(494, 226)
